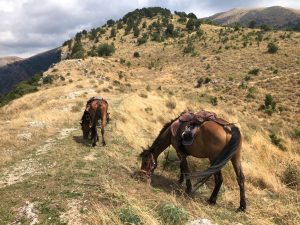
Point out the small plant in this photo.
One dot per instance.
(296, 133)
(276, 141)
(291, 176)
(254, 71)
(272, 48)
(214, 101)
(128, 217)
(143, 95)
(143, 39)
(171, 104)
(136, 54)
(251, 92)
(171, 214)
(270, 105)
(48, 79)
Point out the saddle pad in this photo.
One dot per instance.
(174, 127)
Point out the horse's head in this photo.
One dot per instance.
(148, 163)
(86, 124)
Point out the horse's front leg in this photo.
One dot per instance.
(184, 168)
(94, 135)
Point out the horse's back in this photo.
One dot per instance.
(210, 140)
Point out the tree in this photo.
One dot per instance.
(272, 48)
(136, 31)
(190, 25)
(106, 49)
(113, 32)
(252, 24)
(110, 22)
(170, 30)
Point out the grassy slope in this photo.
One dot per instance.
(68, 181)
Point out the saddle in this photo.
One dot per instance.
(186, 126)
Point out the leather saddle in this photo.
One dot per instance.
(186, 126)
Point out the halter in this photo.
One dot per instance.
(152, 167)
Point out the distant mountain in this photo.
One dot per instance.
(9, 59)
(13, 73)
(275, 16)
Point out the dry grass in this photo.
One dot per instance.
(105, 183)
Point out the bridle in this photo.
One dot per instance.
(153, 165)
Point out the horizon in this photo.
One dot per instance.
(24, 32)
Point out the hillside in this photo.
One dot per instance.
(275, 16)
(153, 66)
(21, 70)
(7, 60)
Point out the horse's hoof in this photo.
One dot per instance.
(103, 143)
(188, 191)
(94, 144)
(241, 209)
(211, 202)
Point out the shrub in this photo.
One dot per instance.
(136, 54)
(136, 31)
(270, 105)
(291, 176)
(190, 25)
(128, 217)
(276, 141)
(171, 104)
(296, 133)
(272, 48)
(251, 92)
(77, 50)
(143, 39)
(113, 33)
(171, 214)
(214, 101)
(106, 50)
(254, 71)
(48, 79)
(189, 48)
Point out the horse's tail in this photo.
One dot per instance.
(227, 153)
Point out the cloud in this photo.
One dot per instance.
(31, 26)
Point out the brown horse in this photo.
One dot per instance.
(212, 141)
(96, 108)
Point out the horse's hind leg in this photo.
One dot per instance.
(102, 133)
(236, 162)
(218, 182)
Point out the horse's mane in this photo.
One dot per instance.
(157, 139)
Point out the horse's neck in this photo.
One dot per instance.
(161, 143)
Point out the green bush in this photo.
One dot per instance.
(136, 54)
(254, 71)
(270, 105)
(128, 217)
(143, 39)
(214, 101)
(48, 79)
(190, 48)
(113, 32)
(106, 50)
(272, 48)
(276, 141)
(171, 214)
(251, 92)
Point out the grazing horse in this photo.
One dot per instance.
(96, 108)
(211, 138)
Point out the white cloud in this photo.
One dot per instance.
(31, 26)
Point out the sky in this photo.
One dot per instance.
(29, 27)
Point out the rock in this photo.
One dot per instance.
(201, 222)
(24, 136)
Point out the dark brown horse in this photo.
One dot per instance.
(96, 108)
(212, 141)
